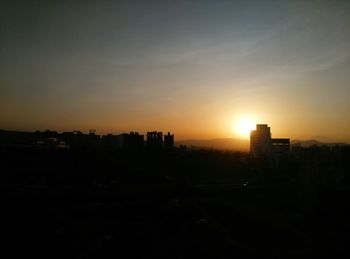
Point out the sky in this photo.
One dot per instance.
(194, 68)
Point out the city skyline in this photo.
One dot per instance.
(193, 68)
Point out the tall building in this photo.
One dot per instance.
(169, 140)
(154, 139)
(133, 141)
(260, 140)
(262, 144)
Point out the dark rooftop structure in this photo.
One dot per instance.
(169, 140)
(261, 142)
(154, 139)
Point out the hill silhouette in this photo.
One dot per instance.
(313, 142)
(235, 144)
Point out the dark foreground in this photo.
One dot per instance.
(175, 204)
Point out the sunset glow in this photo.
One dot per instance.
(189, 67)
(244, 126)
(220, 129)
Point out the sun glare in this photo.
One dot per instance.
(244, 126)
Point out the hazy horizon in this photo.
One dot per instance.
(321, 139)
(193, 68)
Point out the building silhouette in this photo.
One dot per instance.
(111, 141)
(126, 141)
(261, 143)
(169, 140)
(133, 141)
(154, 139)
(280, 145)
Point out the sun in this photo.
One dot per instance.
(244, 126)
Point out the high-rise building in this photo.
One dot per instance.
(169, 140)
(261, 142)
(133, 141)
(154, 139)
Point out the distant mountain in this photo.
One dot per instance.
(313, 142)
(223, 144)
(243, 144)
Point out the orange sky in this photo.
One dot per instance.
(192, 68)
